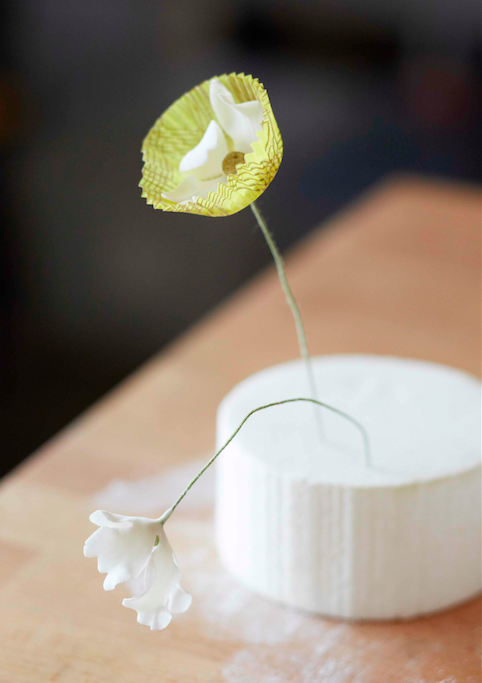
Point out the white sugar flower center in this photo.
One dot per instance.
(213, 158)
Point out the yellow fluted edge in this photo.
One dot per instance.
(181, 128)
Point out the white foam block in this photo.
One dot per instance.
(306, 522)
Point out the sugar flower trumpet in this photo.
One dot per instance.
(214, 151)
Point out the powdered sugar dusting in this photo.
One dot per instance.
(281, 666)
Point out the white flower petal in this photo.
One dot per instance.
(209, 186)
(122, 547)
(191, 188)
(240, 121)
(104, 518)
(217, 90)
(179, 600)
(206, 159)
(184, 191)
(162, 594)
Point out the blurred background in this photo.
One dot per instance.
(94, 281)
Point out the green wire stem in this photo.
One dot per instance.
(300, 330)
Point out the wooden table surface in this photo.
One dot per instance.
(396, 273)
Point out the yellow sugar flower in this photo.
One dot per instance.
(214, 151)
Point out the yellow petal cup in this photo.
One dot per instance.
(182, 127)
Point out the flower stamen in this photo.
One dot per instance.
(231, 161)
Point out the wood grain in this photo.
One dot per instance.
(397, 273)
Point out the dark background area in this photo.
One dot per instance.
(93, 280)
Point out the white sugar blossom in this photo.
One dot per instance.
(162, 595)
(207, 164)
(128, 547)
